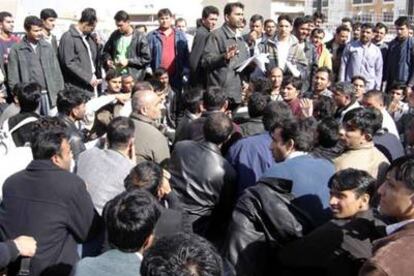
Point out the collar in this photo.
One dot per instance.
(42, 165)
(142, 118)
(392, 228)
(368, 145)
(139, 255)
(296, 154)
(211, 146)
(230, 33)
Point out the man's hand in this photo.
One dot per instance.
(306, 106)
(231, 52)
(123, 97)
(165, 188)
(95, 82)
(110, 64)
(123, 62)
(26, 246)
(2, 97)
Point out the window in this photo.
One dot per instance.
(388, 16)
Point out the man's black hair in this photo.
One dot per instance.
(325, 70)
(295, 82)
(342, 28)
(377, 120)
(301, 20)
(69, 98)
(404, 170)
(360, 182)
(402, 21)
(192, 100)
(112, 74)
(256, 17)
(30, 21)
(328, 132)
(147, 176)
(367, 26)
(28, 96)
(47, 137)
(267, 21)
(362, 119)
(181, 254)
(275, 114)
(48, 13)
(285, 17)
(347, 19)
(88, 16)
(358, 77)
(217, 128)
(228, 8)
(214, 98)
(324, 107)
(4, 14)
(209, 10)
(120, 131)
(164, 12)
(318, 15)
(381, 25)
(130, 219)
(159, 72)
(317, 31)
(299, 132)
(356, 25)
(121, 16)
(398, 86)
(256, 104)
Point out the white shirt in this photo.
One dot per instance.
(282, 52)
(388, 123)
(396, 226)
(296, 154)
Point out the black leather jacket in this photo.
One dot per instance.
(76, 137)
(205, 183)
(264, 219)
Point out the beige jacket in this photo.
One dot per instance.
(367, 158)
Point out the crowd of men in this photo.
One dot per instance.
(251, 148)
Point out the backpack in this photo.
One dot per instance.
(7, 144)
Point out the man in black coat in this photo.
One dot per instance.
(198, 77)
(340, 246)
(203, 179)
(48, 202)
(78, 53)
(127, 49)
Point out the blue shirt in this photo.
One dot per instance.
(310, 178)
(250, 157)
(362, 60)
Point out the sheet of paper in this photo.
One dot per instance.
(260, 60)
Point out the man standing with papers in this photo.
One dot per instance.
(225, 51)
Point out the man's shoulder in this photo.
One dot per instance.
(109, 262)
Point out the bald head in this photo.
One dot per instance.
(146, 103)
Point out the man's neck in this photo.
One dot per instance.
(130, 31)
(32, 41)
(5, 35)
(234, 29)
(284, 38)
(166, 31)
(47, 32)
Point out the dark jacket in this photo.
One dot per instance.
(220, 72)
(139, 55)
(339, 247)
(182, 131)
(205, 184)
(336, 56)
(181, 56)
(8, 253)
(55, 209)
(399, 62)
(252, 126)
(264, 220)
(76, 137)
(307, 75)
(19, 70)
(198, 77)
(74, 59)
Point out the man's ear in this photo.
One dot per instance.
(365, 198)
(148, 242)
(290, 145)
(143, 110)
